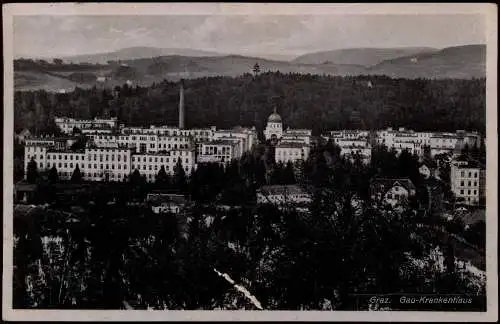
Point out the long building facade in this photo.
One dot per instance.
(112, 151)
(437, 142)
(361, 141)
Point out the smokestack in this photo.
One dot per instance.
(181, 106)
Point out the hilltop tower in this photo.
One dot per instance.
(181, 107)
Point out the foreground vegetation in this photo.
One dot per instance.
(112, 251)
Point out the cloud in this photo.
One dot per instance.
(67, 35)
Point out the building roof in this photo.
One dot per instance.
(159, 198)
(382, 185)
(25, 132)
(355, 146)
(66, 151)
(281, 189)
(471, 163)
(274, 117)
(444, 135)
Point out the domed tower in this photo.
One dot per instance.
(274, 128)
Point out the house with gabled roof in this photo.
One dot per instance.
(392, 191)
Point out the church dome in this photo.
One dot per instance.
(274, 117)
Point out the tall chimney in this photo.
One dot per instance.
(181, 106)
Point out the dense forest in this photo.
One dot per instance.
(317, 102)
(56, 65)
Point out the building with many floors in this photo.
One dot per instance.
(467, 180)
(107, 162)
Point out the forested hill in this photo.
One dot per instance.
(304, 101)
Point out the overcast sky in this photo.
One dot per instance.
(53, 36)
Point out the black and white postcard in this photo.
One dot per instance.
(245, 161)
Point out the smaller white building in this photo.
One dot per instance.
(221, 151)
(392, 191)
(166, 203)
(283, 194)
(293, 152)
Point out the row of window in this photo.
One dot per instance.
(63, 157)
(103, 166)
(29, 157)
(462, 192)
(93, 175)
(291, 153)
(108, 166)
(100, 166)
(169, 146)
(103, 150)
(60, 165)
(169, 133)
(470, 174)
(145, 138)
(214, 150)
(105, 157)
(155, 159)
(469, 183)
(155, 168)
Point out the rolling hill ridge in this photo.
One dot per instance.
(453, 62)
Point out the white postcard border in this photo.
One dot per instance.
(490, 12)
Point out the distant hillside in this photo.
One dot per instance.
(360, 56)
(452, 62)
(230, 65)
(135, 53)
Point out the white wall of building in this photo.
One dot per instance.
(273, 128)
(293, 152)
(465, 182)
(67, 124)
